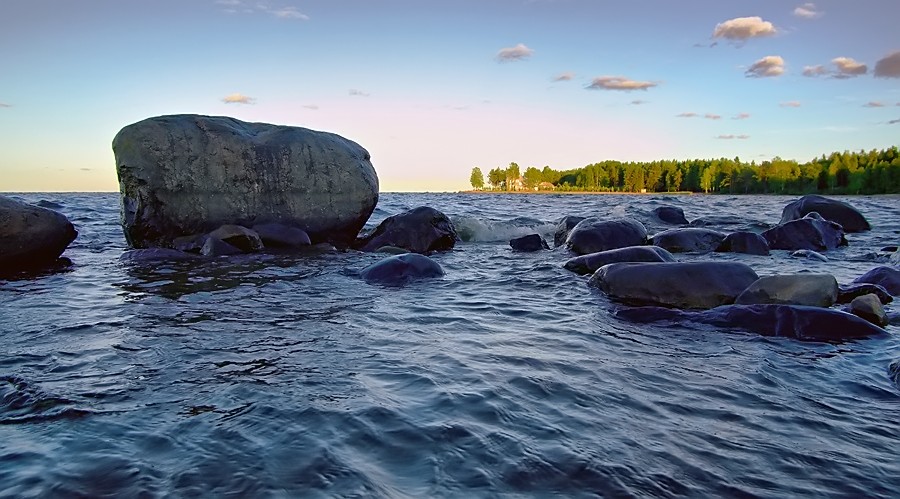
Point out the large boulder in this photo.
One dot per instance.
(420, 230)
(400, 269)
(563, 227)
(689, 240)
(593, 235)
(806, 233)
(670, 215)
(31, 236)
(814, 290)
(746, 242)
(830, 209)
(675, 284)
(190, 174)
(884, 276)
(588, 264)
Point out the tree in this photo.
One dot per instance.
(477, 179)
(532, 177)
(496, 177)
(512, 175)
(706, 179)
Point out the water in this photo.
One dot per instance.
(280, 376)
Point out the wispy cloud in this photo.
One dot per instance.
(358, 93)
(741, 116)
(814, 71)
(848, 68)
(893, 122)
(242, 7)
(311, 106)
(874, 104)
(567, 76)
(687, 115)
(3, 104)
(768, 66)
(288, 13)
(808, 11)
(711, 116)
(731, 137)
(619, 83)
(238, 98)
(791, 103)
(744, 28)
(638, 102)
(511, 54)
(888, 66)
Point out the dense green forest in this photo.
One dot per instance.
(872, 172)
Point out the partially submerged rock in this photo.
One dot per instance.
(847, 292)
(836, 211)
(593, 235)
(674, 284)
(277, 235)
(31, 236)
(814, 290)
(529, 243)
(805, 233)
(400, 269)
(809, 255)
(150, 255)
(689, 240)
(884, 276)
(563, 227)
(869, 308)
(420, 230)
(744, 241)
(242, 238)
(588, 264)
(670, 214)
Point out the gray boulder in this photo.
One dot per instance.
(814, 290)
(830, 209)
(400, 269)
(588, 264)
(563, 227)
(31, 236)
(670, 215)
(420, 230)
(189, 174)
(674, 284)
(241, 238)
(869, 308)
(805, 233)
(213, 246)
(529, 243)
(746, 242)
(689, 240)
(276, 235)
(884, 276)
(847, 292)
(593, 235)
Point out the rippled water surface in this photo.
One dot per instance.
(286, 376)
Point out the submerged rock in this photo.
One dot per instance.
(531, 242)
(31, 236)
(814, 290)
(190, 174)
(399, 269)
(670, 214)
(869, 308)
(689, 240)
(675, 284)
(836, 211)
(156, 255)
(809, 255)
(276, 235)
(884, 276)
(593, 235)
(588, 264)
(420, 230)
(805, 233)
(746, 242)
(847, 292)
(241, 238)
(213, 246)
(563, 228)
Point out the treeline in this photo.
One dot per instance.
(872, 172)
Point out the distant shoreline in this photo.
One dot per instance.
(680, 193)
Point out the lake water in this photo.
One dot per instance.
(287, 376)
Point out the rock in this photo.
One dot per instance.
(719, 221)
(189, 174)
(191, 244)
(829, 209)
(805, 233)
(869, 308)
(588, 264)
(846, 293)
(31, 236)
(791, 321)
(814, 290)
(399, 269)
(392, 250)
(689, 240)
(884, 276)
(889, 249)
(744, 241)
(563, 228)
(420, 230)
(156, 255)
(674, 284)
(670, 215)
(217, 247)
(241, 238)
(809, 255)
(593, 235)
(531, 242)
(276, 235)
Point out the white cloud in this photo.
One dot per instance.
(3, 104)
(873, 104)
(289, 13)
(619, 83)
(742, 116)
(311, 106)
(768, 66)
(517, 53)
(730, 137)
(711, 116)
(567, 76)
(238, 98)
(888, 66)
(638, 102)
(893, 122)
(848, 68)
(239, 6)
(807, 11)
(744, 28)
(792, 103)
(687, 115)
(813, 71)
(357, 93)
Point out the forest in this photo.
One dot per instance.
(872, 172)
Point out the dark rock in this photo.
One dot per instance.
(156, 255)
(720, 221)
(593, 235)
(889, 249)
(805, 233)
(420, 230)
(189, 174)
(744, 241)
(563, 228)
(791, 321)
(884, 276)
(674, 284)
(689, 240)
(809, 255)
(869, 308)
(399, 269)
(392, 250)
(191, 244)
(31, 236)
(241, 238)
(588, 264)
(531, 242)
(830, 209)
(216, 247)
(276, 235)
(670, 215)
(814, 290)
(847, 292)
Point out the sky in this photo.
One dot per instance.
(433, 88)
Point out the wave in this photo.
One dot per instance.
(475, 230)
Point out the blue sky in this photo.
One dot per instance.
(432, 88)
